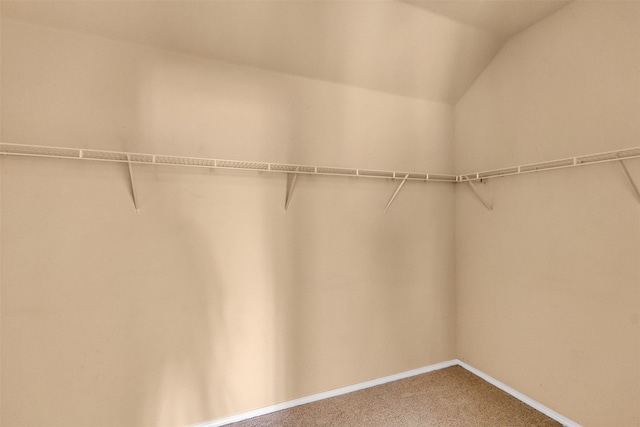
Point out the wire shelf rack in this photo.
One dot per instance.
(570, 162)
(293, 170)
(198, 162)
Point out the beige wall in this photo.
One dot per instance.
(390, 46)
(212, 300)
(548, 284)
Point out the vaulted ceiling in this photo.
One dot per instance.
(426, 49)
(504, 18)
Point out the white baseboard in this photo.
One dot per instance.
(343, 390)
(566, 422)
(331, 393)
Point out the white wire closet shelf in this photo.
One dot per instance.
(569, 162)
(198, 162)
(293, 170)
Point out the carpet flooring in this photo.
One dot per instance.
(450, 397)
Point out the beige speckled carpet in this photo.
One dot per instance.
(450, 397)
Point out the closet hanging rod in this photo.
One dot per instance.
(570, 162)
(198, 162)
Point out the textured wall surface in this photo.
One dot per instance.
(548, 283)
(212, 300)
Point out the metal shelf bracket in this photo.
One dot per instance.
(133, 186)
(477, 193)
(632, 183)
(291, 185)
(395, 193)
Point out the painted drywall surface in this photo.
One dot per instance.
(212, 300)
(390, 46)
(548, 283)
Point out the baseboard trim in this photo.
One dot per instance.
(566, 422)
(315, 397)
(348, 389)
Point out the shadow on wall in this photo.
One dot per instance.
(178, 327)
(209, 329)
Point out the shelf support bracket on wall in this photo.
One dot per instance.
(632, 183)
(477, 193)
(395, 193)
(133, 186)
(291, 185)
